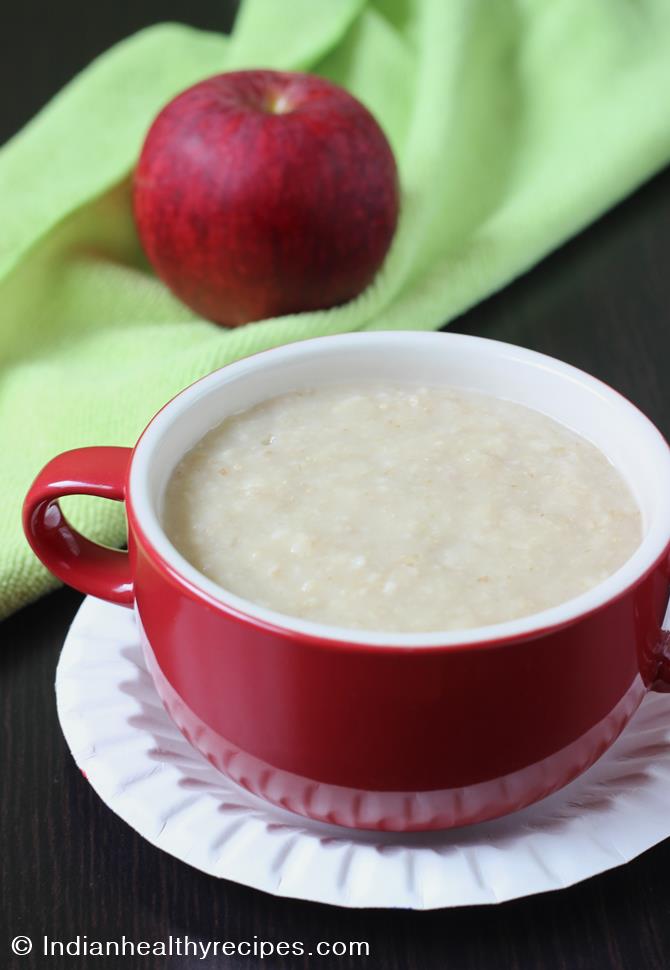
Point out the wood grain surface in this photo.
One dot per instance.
(70, 867)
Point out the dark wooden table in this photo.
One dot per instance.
(70, 867)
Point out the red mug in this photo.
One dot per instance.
(368, 729)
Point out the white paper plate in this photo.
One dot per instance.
(145, 771)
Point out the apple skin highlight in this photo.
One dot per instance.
(263, 193)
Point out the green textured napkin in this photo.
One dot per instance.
(514, 122)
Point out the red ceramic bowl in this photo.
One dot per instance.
(378, 730)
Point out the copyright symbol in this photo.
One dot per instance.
(21, 945)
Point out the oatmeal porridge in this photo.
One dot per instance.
(400, 508)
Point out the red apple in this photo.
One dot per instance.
(261, 193)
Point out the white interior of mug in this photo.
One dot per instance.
(577, 400)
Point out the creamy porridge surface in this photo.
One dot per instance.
(400, 508)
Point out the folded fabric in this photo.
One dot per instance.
(514, 123)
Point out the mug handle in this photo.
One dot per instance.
(79, 562)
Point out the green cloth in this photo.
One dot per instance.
(514, 123)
